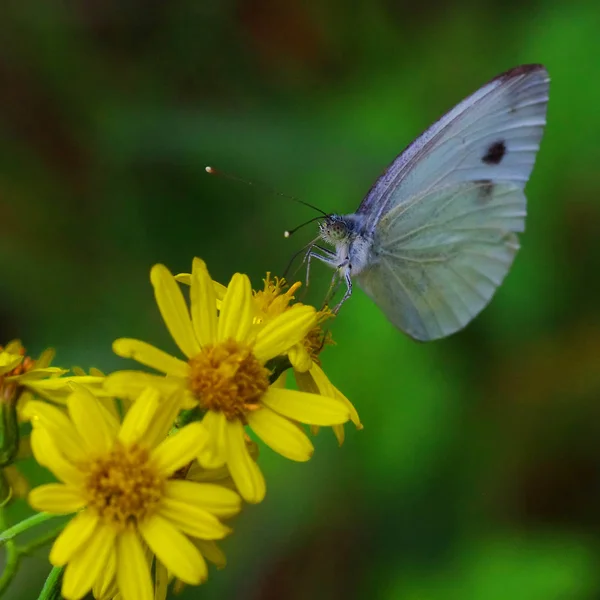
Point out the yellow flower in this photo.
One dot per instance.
(225, 373)
(122, 481)
(270, 302)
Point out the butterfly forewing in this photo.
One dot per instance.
(492, 135)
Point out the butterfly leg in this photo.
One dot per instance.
(347, 277)
(326, 256)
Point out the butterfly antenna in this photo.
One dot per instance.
(260, 184)
(288, 232)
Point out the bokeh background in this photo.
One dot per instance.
(477, 475)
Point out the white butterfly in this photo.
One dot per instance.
(435, 235)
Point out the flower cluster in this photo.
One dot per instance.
(153, 465)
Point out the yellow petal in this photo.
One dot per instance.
(340, 433)
(57, 389)
(185, 278)
(90, 420)
(237, 311)
(133, 573)
(174, 310)
(306, 408)
(213, 454)
(48, 455)
(203, 304)
(14, 347)
(87, 565)
(112, 414)
(215, 499)
(163, 419)
(56, 498)
(189, 400)
(152, 357)
(283, 332)
(60, 427)
(105, 587)
(139, 416)
(77, 532)
(198, 473)
(280, 434)
(306, 383)
(300, 358)
(326, 388)
(174, 550)
(211, 551)
(244, 471)
(180, 449)
(219, 289)
(130, 384)
(45, 358)
(193, 520)
(9, 361)
(37, 373)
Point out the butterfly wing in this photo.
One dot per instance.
(444, 215)
(441, 256)
(494, 134)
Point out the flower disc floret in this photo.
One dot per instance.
(123, 487)
(228, 378)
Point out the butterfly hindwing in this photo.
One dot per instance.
(440, 256)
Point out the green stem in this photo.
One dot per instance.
(10, 567)
(51, 589)
(44, 539)
(12, 558)
(24, 525)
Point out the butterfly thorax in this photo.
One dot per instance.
(352, 244)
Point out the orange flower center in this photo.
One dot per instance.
(123, 487)
(228, 378)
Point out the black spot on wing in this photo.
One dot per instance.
(495, 153)
(485, 191)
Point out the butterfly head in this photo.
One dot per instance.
(335, 229)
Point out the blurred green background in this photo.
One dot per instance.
(477, 475)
